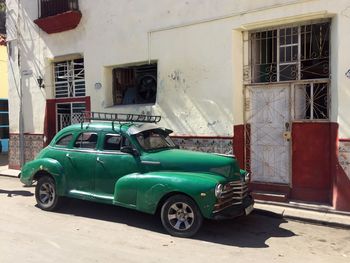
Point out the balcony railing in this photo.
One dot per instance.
(48, 8)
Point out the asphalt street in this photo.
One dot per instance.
(88, 232)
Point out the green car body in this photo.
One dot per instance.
(135, 177)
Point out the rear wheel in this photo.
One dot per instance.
(46, 195)
(180, 216)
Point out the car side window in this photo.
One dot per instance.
(112, 142)
(86, 140)
(126, 142)
(64, 141)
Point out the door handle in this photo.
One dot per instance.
(68, 156)
(99, 160)
(287, 135)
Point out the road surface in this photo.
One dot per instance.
(89, 232)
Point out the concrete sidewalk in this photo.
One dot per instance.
(317, 214)
(4, 168)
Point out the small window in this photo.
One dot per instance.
(64, 141)
(86, 140)
(311, 101)
(135, 84)
(69, 78)
(112, 142)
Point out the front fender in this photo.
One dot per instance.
(145, 191)
(48, 165)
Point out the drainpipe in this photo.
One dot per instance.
(21, 118)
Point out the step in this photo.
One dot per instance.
(270, 196)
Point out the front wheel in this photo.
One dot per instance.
(45, 194)
(180, 216)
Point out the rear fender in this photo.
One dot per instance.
(47, 165)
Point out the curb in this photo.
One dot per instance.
(321, 222)
(10, 173)
(8, 176)
(304, 206)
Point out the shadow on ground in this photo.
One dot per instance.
(252, 231)
(12, 193)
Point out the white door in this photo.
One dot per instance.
(268, 120)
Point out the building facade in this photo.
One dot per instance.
(265, 80)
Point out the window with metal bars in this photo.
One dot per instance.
(69, 78)
(298, 54)
(290, 53)
(135, 84)
(68, 113)
(48, 8)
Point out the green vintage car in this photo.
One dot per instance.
(132, 162)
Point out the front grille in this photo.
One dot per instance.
(233, 194)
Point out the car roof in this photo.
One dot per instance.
(105, 126)
(129, 128)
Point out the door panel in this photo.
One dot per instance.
(110, 167)
(81, 163)
(268, 115)
(80, 170)
(111, 164)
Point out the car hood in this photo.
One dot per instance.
(191, 161)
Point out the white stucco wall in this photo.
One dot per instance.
(198, 47)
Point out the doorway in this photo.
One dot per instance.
(267, 136)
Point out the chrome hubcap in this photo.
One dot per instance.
(180, 216)
(46, 194)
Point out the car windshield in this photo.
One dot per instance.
(154, 139)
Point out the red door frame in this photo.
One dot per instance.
(50, 114)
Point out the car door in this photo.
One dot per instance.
(112, 164)
(80, 165)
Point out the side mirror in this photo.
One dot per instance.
(129, 150)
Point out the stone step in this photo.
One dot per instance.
(270, 196)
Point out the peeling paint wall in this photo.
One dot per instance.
(198, 47)
(210, 145)
(344, 156)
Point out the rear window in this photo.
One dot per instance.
(112, 142)
(64, 140)
(86, 140)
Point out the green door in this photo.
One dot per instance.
(112, 164)
(80, 165)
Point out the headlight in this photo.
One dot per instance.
(218, 190)
(247, 177)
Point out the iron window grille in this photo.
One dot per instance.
(69, 113)
(135, 84)
(311, 101)
(290, 53)
(69, 78)
(48, 8)
(298, 54)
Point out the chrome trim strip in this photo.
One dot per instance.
(112, 152)
(73, 150)
(88, 151)
(78, 192)
(219, 210)
(150, 162)
(226, 155)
